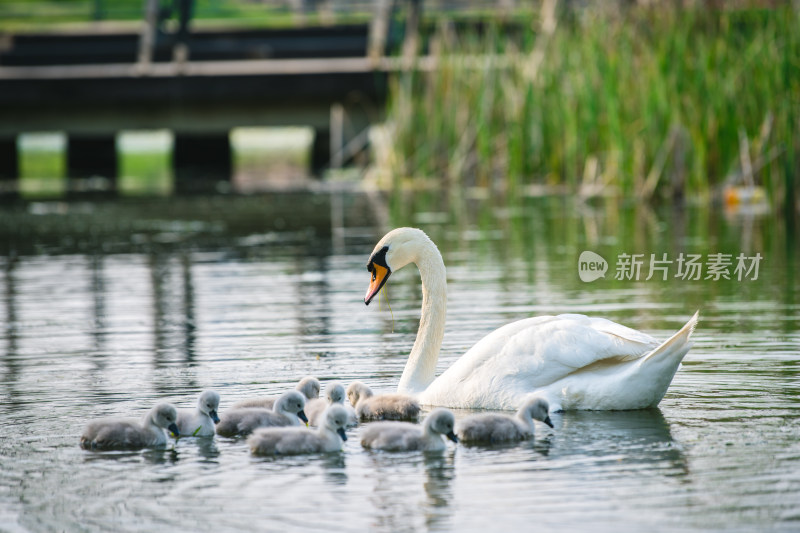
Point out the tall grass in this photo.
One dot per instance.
(637, 103)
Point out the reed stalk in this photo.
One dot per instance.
(639, 103)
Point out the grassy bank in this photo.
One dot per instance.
(636, 103)
(46, 14)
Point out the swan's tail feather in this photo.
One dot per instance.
(678, 345)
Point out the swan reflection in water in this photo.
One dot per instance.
(334, 469)
(439, 475)
(640, 437)
(202, 449)
(207, 449)
(396, 495)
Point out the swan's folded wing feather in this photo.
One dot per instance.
(549, 348)
(630, 343)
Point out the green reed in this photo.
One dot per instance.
(636, 103)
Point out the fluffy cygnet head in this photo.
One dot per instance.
(164, 415)
(442, 421)
(358, 391)
(291, 403)
(209, 404)
(309, 386)
(537, 409)
(334, 392)
(336, 419)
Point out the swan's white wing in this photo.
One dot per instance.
(632, 341)
(532, 353)
(552, 346)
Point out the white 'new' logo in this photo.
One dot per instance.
(591, 266)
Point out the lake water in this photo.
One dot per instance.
(107, 308)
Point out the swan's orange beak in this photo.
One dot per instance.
(379, 276)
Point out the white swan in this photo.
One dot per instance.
(131, 433)
(573, 361)
(199, 422)
(293, 440)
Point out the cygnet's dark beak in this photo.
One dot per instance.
(302, 416)
(213, 415)
(341, 433)
(173, 428)
(547, 421)
(452, 437)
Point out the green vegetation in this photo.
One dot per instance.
(38, 14)
(145, 173)
(634, 103)
(144, 168)
(263, 158)
(637, 102)
(44, 165)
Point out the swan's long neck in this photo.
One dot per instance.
(420, 369)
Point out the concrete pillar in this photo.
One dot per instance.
(201, 162)
(91, 156)
(320, 152)
(9, 166)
